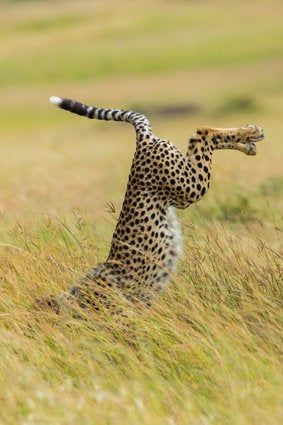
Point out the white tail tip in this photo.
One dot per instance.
(55, 100)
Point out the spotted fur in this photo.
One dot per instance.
(147, 241)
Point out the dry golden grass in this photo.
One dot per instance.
(210, 351)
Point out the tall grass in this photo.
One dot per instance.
(210, 350)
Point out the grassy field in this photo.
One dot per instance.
(210, 351)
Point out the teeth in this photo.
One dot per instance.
(55, 100)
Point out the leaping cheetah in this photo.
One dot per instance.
(147, 241)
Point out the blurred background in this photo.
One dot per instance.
(209, 352)
(183, 63)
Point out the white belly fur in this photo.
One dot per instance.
(176, 242)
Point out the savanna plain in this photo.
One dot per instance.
(210, 350)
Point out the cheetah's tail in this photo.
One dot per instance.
(139, 121)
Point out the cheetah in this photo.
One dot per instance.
(147, 241)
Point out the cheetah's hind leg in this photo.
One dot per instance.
(248, 136)
(242, 138)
